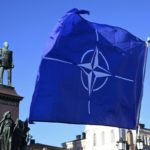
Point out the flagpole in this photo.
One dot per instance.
(146, 53)
(148, 41)
(138, 127)
(148, 45)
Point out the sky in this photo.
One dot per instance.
(27, 24)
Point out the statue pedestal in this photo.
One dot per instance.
(9, 101)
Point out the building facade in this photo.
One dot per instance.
(38, 146)
(106, 138)
(145, 136)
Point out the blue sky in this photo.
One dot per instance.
(26, 25)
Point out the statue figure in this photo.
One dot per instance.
(6, 63)
(13, 136)
(6, 131)
(20, 135)
(26, 130)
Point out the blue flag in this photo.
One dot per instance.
(90, 74)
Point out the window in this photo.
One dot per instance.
(103, 138)
(148, 141)
(145, 140)
(112, 135)
(94, 139)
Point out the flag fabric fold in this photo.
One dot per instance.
(90, 73)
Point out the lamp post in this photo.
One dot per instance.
(139, 144)
(122, 145)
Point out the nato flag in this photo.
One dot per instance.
(90, 74)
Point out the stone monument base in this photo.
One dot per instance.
(9, 101)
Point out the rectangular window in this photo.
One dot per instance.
(103, 138)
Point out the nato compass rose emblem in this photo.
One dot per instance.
(95, 71)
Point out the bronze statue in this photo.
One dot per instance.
(13, 136)
(6, 131)
(6, 63)
(20, 135)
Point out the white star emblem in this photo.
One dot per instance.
(93, 71)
